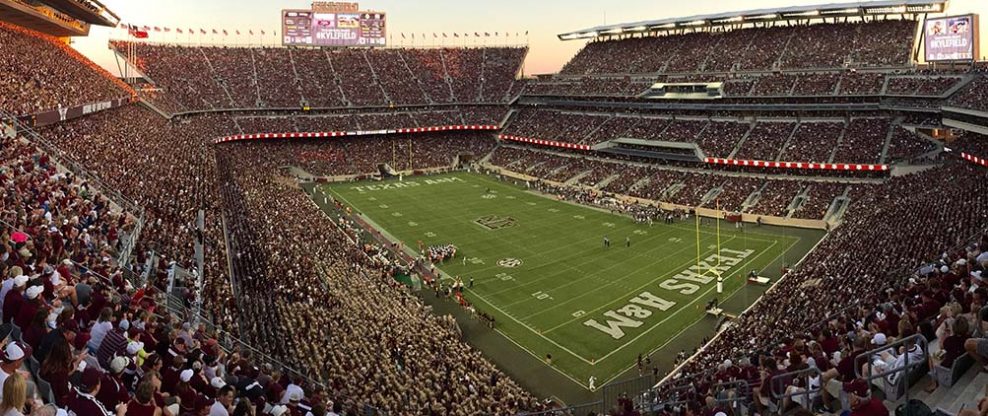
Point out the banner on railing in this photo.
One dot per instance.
(59, 115)
(798, 165)
(541, 142)
(316, 135)
(974, 159)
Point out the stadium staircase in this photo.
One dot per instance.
(711, 195)
(753, 199)
(888, 139)
(788, 140)
(838, 207)
(638, 185)
(840, 141)
(446, 77)
(798, 201)
(737, 147)
(377, 79)
(257, 85)
(219, 81)
(336, 78)
(606, 181)
(576, 179)
(418, 82)
(595, 129)
(297, 79)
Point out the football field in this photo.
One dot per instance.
(541, 268)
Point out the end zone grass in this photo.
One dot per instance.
(541, 268)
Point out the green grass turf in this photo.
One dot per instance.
(567, 278)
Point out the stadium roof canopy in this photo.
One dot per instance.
(89, 11)
(881, 7)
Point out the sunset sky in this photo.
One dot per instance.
(543, 19)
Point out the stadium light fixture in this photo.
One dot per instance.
(696, 23)
(639, 29)
(766, 16)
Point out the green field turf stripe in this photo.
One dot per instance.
(624, 296)
(551, 341)
(598, 274)
(674, 314)
(591, 260)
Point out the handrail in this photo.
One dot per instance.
(77, 168)
(806, 374)
(915, 340)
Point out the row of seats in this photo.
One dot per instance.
(885, 43)
(860, 140)
(204, 78)
(43, 73)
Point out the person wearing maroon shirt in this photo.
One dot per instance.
(29, 307)
(84, 402)
(142, 404)
(844, 371)
(112, 389)
(14, 299)
(862, 404)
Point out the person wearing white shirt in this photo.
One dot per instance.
(223, 403)
(103, 325)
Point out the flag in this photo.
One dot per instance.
(179, 30)
(456, 35)
(251, 32)
(444, 35)
(238, 32)
(413, 36)
(191, 31)
(146, 28)
(168, 30)
(476, 35)
(203, 31)
(434, 35)
(262, 32)
(403, 36)
(496, 34)
(157, 29)
(224, 32)
(215, 32)
(487, 35)
(526, 33)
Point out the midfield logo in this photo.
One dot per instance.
(495, 222)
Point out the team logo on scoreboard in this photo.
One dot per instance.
(509, 263)
(495, 222)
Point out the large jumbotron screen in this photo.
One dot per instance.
(318, 28)
(952, 38)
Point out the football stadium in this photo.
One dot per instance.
(339, 208)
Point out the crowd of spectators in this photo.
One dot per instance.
(775, 196)
(920, 85)
(41, 73)
(166, 167)
(327, 304)
(765, 141)
(813, 142)
(202, 78)
(876, 44)
(79, 338)
(827, 311)
(974, 96)
(860, 140)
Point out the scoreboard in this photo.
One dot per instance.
(333, 24)
(953, 38)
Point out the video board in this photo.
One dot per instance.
(953, 38)
(325, 28)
